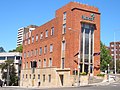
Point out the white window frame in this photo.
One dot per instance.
(46, 33)
(45, 62)
(32, 39)
(51, 47)
(63, 45)
(45, 49)
(64, 29)
(40, 50)
(41, 35)
(64, 15)
(52, 31)
(50, 62)
(36, 37)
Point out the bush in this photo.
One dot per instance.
(83, 73)
(102, 75)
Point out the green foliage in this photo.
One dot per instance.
(83, 73)
(105, 57)
(12, 72)
(18, 49)
(101, 75)
(2, 49)
(117, 66)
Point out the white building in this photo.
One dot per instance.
(16, 56)
(22, 31)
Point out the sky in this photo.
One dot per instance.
(15, 14)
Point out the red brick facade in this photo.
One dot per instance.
(74, 12)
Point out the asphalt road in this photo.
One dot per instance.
(113, 86)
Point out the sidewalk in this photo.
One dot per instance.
(103, 83)
(106, 82)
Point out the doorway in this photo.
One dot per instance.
(61, 79)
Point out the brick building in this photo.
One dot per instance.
(115, 46)
(51, 55)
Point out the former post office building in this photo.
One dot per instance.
(53, 51)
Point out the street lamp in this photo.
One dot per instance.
(114, 54)
(108, 72)
(78, 58)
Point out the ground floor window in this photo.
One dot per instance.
(44, 78)
(49, 76)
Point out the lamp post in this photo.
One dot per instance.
(78, 82)
(108, 72)
(114, 54)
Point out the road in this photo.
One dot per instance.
(113, 86)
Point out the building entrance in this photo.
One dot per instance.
(61, 79)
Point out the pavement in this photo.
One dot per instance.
(103, 83)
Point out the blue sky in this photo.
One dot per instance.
(15, 14)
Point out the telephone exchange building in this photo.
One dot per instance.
(52, 52)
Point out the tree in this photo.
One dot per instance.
(105, 57)
(117, 65)
(18, 49)
(6, 67)
(2, 49)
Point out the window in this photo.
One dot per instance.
(44, 78)
(46, 33)
(112, 49)
(45, 49)
(38, 76)
(41, 35)
(2, 58)
(30, 76)
(51, 47)
(23, 75)
(52, 31)
(112, 45)
(34, 76)
(36, 52)
(50, 62)
(18, 58)
(64, 16)
(32, 53)
(49, 77)
(40, 50)
(64, 29)
(29, 41)
(24, 55)
(32, 39)
(26, 64)
(36, 37)
(28, 54)
(63, 45)
(11, 57)
(39, 63)
(26, 76)
(63, 62)
(44, 62)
